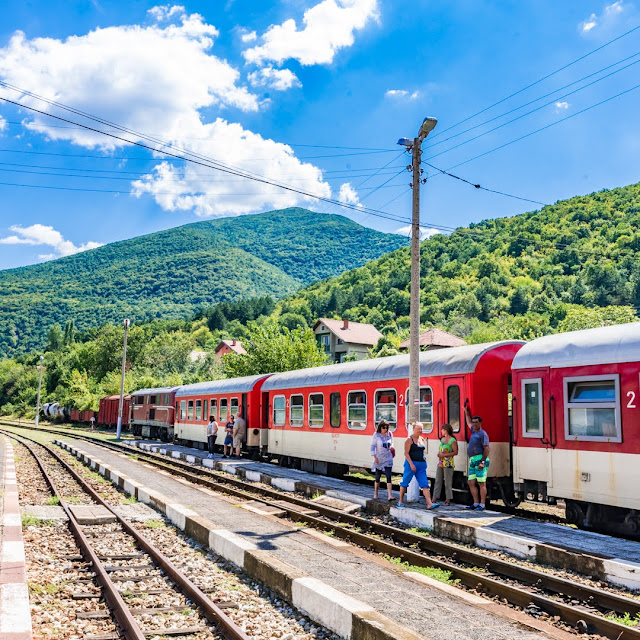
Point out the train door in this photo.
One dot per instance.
(534, 436)
(452, 411)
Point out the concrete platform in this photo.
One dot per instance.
(609, 559)
(356, 594)
(89, 514)
(15, 614)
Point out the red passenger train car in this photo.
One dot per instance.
(108, 411)
(195, 403)
(153, 413)
(322, 419)
(576, 399)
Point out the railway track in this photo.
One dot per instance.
(579, 606)
(144, 576)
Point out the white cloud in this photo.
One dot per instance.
(3, 124)
(250, 36)
(38, 234)
(424, 232)
(158, 80)
(348, 194)
(608, 16)
(278, 79)
(402, 93)
(562, 106)
(328, 27)
(166, 12)
(215, 194)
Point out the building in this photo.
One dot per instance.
(338, 338)
(435, 339)
(229, 346)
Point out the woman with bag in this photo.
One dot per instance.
(415, 465)
(447, 452)
(382, 451)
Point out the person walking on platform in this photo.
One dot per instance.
(446, 454)
(415, 465)
(382, 452)
(478, 453)
(212, 430)
(239, 432)
(228, 438)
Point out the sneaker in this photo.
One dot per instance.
(435, 505)
(480, 507)
(471, 507)
(400, 505)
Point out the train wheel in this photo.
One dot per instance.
(574, 513)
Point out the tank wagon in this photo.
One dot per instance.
(153, 413)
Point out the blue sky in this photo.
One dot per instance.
(312, 94)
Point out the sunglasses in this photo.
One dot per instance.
(384, 428)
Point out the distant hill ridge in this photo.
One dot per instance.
(173, 273)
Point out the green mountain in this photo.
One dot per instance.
(570, 265)
(173, 273)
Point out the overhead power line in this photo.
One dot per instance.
(539, 80)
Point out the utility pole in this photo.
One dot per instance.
(124, 364)
(40, 366)
(415, 146)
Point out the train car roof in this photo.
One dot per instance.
(605, 345)
(228, 385)
(450, 361)
(156, 391)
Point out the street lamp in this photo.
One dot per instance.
(414, 145)
(124, 363)
(40, 367)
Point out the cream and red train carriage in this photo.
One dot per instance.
(322, 419)
(195, 403)
(152, 412)
(576, 399)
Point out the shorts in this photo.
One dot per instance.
(228, 440)
(475, 473)
(237, 441)
(387, 473)
(420, 474)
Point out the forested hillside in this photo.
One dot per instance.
(173, 273)
(556, 269)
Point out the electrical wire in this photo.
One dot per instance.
(536, 82)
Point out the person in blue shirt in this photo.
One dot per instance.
(478, 454)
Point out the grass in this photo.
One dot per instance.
(329, 532)
(74, 499)
(129, 500)
(133, 456)
(436, 574)
(52, 501)
(39, 589)
(32, 521)
(154, 523)
(419, 531)
(625, 619)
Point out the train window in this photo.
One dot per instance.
(166, 398)
(316, 410)
(198, 409)
(234, 407)
(425, 409)
(387, 408)
(532, 408)
(214, 408)
(296, 411)
(335, 410)
(453, 406)
(357, 410)
(183, 409)
(205, 409)
(279, 411)
(153, 399)
(223, 410)
(190, 410)
(592, 408)
(139, 399)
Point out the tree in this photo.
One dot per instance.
(55, 339)
(272, 348)
(581, 318)
(69, 332)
